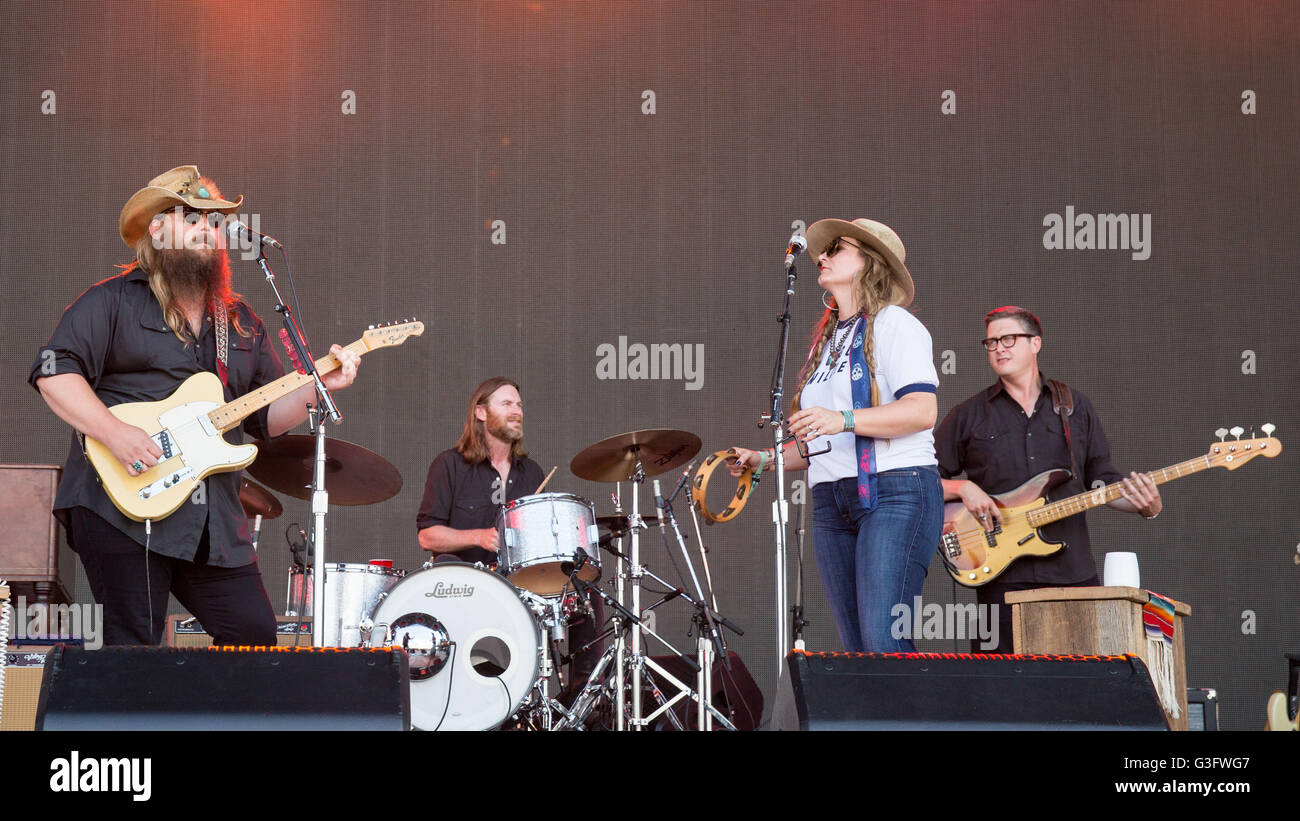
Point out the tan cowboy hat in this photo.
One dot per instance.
(181, 186)
(875, 235)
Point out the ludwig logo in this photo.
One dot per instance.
(442, 590)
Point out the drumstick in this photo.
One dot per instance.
(542, 486)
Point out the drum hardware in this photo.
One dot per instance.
(710, 642)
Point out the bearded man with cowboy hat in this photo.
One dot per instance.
(868, 389)
(135, 337)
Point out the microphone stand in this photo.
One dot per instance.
(780, 509)
(315, 413)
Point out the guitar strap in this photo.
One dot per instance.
(221, 323)
(1063, 405)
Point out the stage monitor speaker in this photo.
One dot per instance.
(956, 691)
(244, 688)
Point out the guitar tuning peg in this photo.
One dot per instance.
(1237, 431)
(1221, 432)
(1268, 428)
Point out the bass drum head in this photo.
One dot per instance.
(491, 665)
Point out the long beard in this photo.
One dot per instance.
(191, 274)
(500, 428)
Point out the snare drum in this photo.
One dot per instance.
(538, 534)
(472, 643)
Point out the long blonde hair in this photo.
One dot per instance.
(873, 288)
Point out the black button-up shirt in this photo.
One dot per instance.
(459, 495)
(115, 336)
(999, 448)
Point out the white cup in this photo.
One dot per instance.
(1121, 570)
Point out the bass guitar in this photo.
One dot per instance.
(188, 427)
(976, 556)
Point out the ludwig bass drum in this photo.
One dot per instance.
(473, 645)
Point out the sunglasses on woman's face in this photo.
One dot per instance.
(837, 244)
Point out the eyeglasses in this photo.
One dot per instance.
(1007, 341)
(837, 244)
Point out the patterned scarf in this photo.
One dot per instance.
(860, 377)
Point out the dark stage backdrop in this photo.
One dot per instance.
(535, 179)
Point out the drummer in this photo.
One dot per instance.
(468, 484)
(463, 495)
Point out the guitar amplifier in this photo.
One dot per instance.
(24, 666)
(1202, 708)
(184, 630)
(29, 552)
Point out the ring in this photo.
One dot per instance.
(137, 467)
(982, 516)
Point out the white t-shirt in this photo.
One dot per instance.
(904, 364)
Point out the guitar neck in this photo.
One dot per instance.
(232, 413)
(1054, 511)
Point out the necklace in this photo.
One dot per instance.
(837, 343)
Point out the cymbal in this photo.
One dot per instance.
(614, 459)
(258, 501)
(353, 475)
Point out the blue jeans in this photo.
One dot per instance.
(871, 561)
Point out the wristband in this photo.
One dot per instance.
(848, 420)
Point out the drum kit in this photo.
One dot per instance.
(484, 644)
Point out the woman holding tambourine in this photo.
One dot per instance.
(868, 388)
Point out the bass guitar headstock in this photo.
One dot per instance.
(1234, 454)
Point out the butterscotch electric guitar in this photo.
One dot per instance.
(976, 556)
(188, 427)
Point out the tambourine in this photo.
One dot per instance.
(700, 485)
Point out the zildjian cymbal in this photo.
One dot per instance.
(353, 475)
(614, 459)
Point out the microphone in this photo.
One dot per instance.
(580, 561)
(681, 481)
(798, 244)
(659, 504)
(240, 232)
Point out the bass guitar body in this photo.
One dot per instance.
(976, 556)
(192, 447)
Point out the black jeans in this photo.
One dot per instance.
(230, 602)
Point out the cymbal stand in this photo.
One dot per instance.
(710, 640)
(684, 689)
(635, 571)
